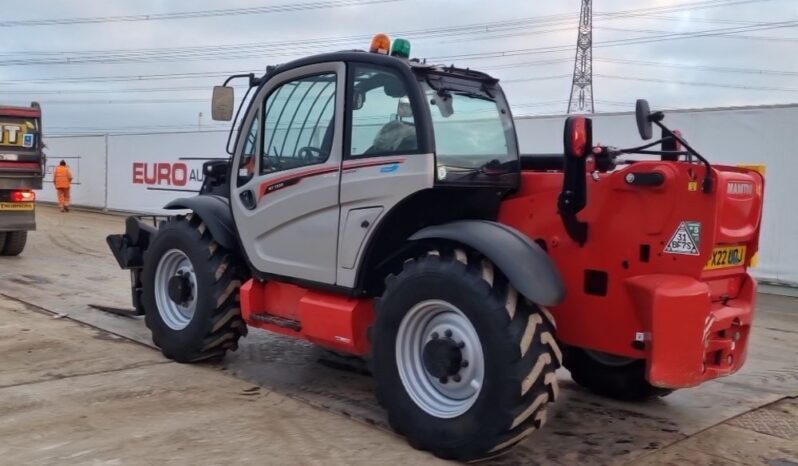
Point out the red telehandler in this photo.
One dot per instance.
(379, 206)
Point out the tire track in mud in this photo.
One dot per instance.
(72, 246)
(303, 372)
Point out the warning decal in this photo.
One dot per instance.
(686, 240)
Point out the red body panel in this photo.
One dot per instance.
(665, 298)
(329, 320)
(23, 112)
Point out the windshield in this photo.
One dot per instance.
(473, 132)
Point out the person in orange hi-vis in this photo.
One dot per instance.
(62, 178)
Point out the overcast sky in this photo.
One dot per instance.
(737, 52)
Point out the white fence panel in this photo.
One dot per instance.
(85, 156)
(147, 171)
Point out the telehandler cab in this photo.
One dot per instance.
(378, 206)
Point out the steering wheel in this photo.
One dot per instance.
(309, 153)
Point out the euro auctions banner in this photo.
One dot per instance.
(145, 172)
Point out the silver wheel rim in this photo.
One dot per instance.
(175, 315)
(609, 359)
(419, 326)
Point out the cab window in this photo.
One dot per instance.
(381, 115)
(247, 163)
(298, 123)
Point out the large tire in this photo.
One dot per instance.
(14, 243)
(515, 349)
(611, 376)
(215, 325)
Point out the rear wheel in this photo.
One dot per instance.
(14, 243)
(191, 292)
(464, 365)
(609, 375)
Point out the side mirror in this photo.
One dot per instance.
(222, 103)
(358, 99)
(443, 100)
(643, 116)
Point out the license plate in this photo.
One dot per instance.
(726, 256)
(16, 206)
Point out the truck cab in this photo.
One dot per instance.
(21, 172)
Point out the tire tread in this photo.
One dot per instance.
(538, 354)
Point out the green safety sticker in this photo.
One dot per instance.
(686, 239)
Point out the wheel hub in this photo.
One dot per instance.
(442, 357)
(175, 289)
(439, 358)
(179, 288)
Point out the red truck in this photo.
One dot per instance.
(21, 172)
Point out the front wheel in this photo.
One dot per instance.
(190, 292)
(612, 376)
(464, 365)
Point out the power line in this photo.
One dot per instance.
(622, 42)
(118, 101)
(685, 66)
(281, 8)
(720, 36)
(698, 83)
(246, 50)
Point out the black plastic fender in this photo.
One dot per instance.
(215, 212)
(525, 264)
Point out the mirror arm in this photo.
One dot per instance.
(639, 148)
(708, 179)
(663, 152)
(233, 124)
(250, 76)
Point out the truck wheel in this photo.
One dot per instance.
(190, 293)
(14, 243)
(611, 376)
(463, 364)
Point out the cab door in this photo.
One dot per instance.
(286, 173)
(385, 158)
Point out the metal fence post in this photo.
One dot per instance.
(105, 197)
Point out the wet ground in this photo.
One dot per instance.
(749, 418)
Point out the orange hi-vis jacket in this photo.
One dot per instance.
(62, 178)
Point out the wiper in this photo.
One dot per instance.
(474, 95)
(492, 168)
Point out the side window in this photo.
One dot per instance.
(299, 124)
(382, 118)
(246, 166)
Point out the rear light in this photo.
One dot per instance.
(577, 136)
(23, 196)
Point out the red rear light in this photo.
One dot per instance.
(579, 137)
(23, 196)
